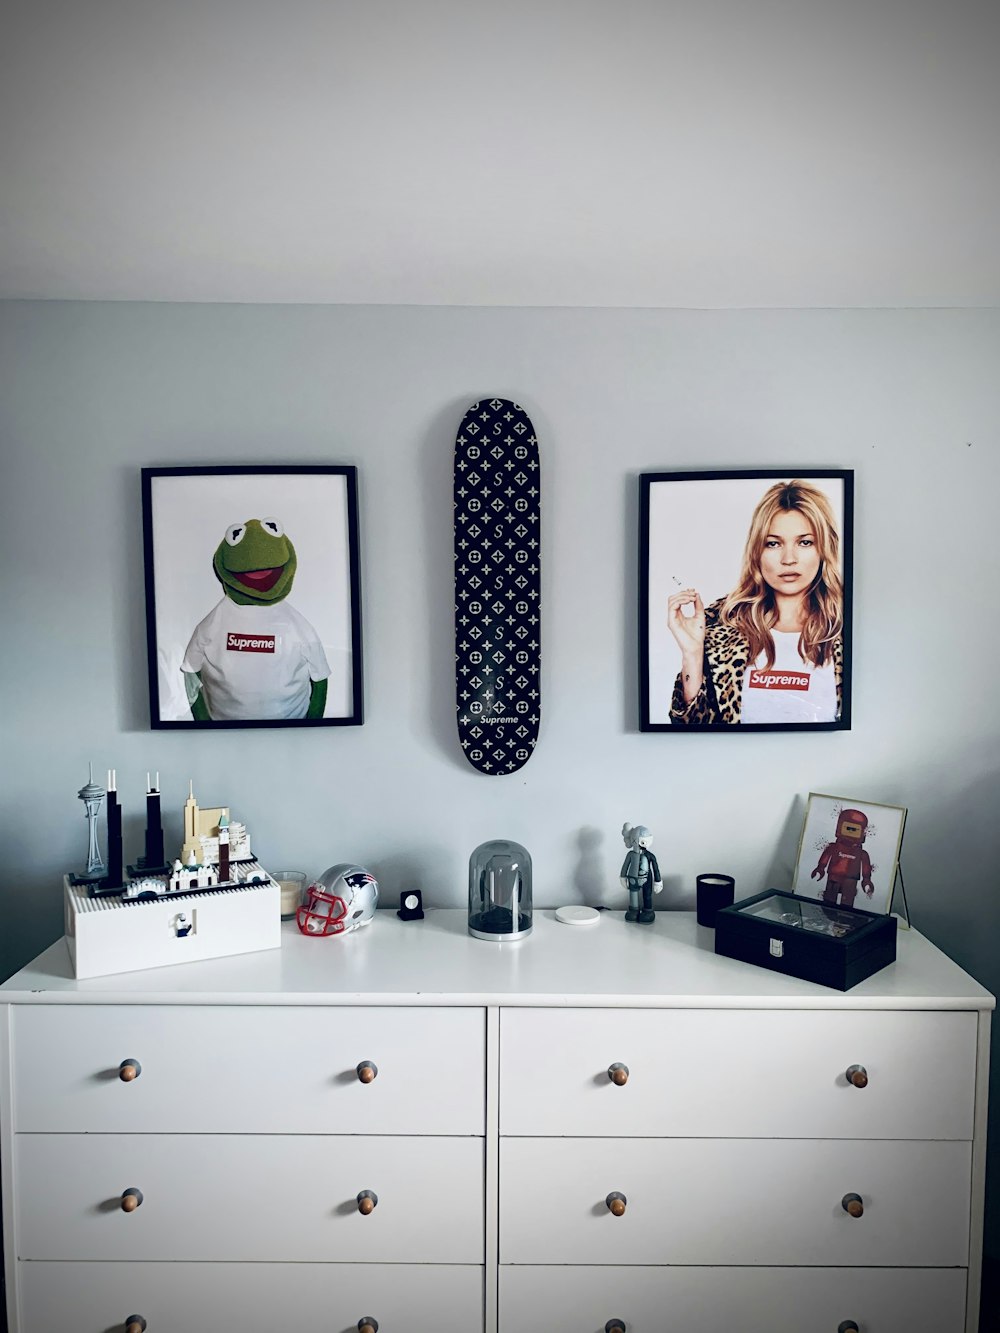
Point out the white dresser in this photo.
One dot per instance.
(595, 1130)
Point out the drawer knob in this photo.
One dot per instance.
(616, 1202)
(848, 1326)
(614, 1326)
(129, 1070)
(857, 1076)
(367, 1324)
(618, 1074)
(367, 1071)
(367, 1201)
(131, 1199)
(135, 1324)
(853, 1204)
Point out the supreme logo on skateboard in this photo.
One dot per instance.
(497, 586)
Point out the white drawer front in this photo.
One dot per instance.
(738, 1073)
(246, 1070)
(244, 1197)
(250, 1298)
(752, 1300)
(722, 1201)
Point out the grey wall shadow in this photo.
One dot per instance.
(595, 881)
(781, 867)
(630, 603)
(127, 589)
(437, 454)
(403, 872)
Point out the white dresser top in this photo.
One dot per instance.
(670, 964)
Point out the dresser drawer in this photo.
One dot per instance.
(232, 1197)
(250, 1298)
(247, 1070)
(752, 1300)
(738, 1073)
(722, 1201)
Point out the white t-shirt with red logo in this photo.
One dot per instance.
(792, 690)
(256, 661)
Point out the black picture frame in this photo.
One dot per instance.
(253, 672)
(694, 530)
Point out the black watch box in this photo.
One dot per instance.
(807, 938)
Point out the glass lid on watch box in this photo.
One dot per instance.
(803, 914)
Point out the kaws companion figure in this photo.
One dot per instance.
(254, 657)
(845, 861)
(640, 873)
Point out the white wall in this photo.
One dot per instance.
(537, 152)
(910, 400)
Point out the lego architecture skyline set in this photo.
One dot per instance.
(215, 853)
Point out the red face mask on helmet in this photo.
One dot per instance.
(341, 900)
(322, 913)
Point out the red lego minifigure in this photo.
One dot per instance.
(845, 861)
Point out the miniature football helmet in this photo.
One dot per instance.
(342, 899)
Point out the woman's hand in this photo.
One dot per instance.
(689, 631)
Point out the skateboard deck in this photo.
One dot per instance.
(497, 586)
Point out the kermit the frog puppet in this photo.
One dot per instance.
(254, 657)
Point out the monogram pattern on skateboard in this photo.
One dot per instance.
(497, 586)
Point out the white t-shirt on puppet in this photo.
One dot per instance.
(792, 690)
(256, 661)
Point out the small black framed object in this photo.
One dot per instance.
(253, 596)
(411, 905)
(832, 946)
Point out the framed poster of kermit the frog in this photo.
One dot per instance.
(253, 597)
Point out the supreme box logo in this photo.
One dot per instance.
(250, 643)
(779, 680)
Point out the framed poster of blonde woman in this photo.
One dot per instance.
(745, 600)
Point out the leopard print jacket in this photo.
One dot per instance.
(719, 699)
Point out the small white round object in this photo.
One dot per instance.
(575, 915)
(410, 901)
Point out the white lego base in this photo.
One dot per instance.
(107, 935)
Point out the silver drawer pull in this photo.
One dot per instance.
(618, 1074)
(616, 1202)
(367, 1071)
(367, 1202)
(131, 1199)
(853, 1204)
(857, 1076)
(135, 1324)
(129, 1070)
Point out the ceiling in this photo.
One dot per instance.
(723, 153)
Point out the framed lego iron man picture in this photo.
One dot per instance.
(849, 852)
(745, 585)
(253, 596)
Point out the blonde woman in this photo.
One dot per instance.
(772, 650)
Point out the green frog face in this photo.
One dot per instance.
(255, 562)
